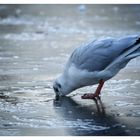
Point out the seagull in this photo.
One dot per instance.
(95, 63)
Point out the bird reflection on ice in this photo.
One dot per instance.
(87, 120)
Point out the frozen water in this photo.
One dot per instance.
(36, 41)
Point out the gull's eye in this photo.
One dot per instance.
(59, 85)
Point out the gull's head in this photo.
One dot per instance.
(62, 86)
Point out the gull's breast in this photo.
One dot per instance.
(82, 77)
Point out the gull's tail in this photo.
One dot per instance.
(130, 52)
(134, 51)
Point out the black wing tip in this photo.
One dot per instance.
(137, 41)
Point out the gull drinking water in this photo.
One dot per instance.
(96, 63)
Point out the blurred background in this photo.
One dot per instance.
(35, 43)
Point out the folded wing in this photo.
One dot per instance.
(98, 55)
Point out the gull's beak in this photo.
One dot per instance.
(56, 94)
(57, 97)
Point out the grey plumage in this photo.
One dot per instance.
(100, 59)
(98, 55)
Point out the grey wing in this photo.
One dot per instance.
(97, 55)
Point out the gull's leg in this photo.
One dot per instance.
(97, 92)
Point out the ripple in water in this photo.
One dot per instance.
(55, 123)
(24, 36)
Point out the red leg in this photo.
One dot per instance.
(97, 92)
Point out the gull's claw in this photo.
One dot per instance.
(89, 96)
(97, 92)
